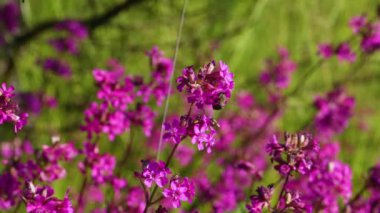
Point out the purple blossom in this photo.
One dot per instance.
(371, 39)
(179, 190)
(69, 45)
(357, 23)
(9, 190)
(174, 132)
(118, 93)
(202, 132)
(10, 16)
(184, 155)
(58, 67)
(278, 73)
(9, 111)
(345, 53)
(101, 119)
(245, 100)
(292, 201)
(334, 111)
(60, 151)
(211, 85)
(26, 171)
(328, 181)
(31, 102)
(205, 140)
(74, 28)
(157, 88)
(331, 180)
(51, 155)
(135, 200)
(102, 168)
(342, 51)
(15, 149)
(261, 200)
(154, 172)
(52, 172)
(228, 191)
(100, 165)
(162, 67)
(294, 154)
(326, 50)
(41, 199)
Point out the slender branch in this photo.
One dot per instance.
(357, 196)
(157, 200)
(91, 23)
(309, 72)
(81, 193)
(127, 152)
(282, 190)
(17, 207)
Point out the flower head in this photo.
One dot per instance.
(154, 172)
(334, 111)
(211, 85)
(342, 51)
(261, 200)
(278, 73)
(294, 154)
(357, 23)
(41, 199)
(179, 190)
(58, 67)
(9, 110)
(10, 16)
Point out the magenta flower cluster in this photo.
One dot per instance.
(175, 189)
(9, 110)
(228, 152)
(124, 100)
(294, 154)
(73, 34)
(343, 52)
(9, 20)
(369, 31)
(45, 167)
(334, 111)
(42, 199)
(211, 85)
(277, 73)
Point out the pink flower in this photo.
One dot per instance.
(154, 172)
(9, 110)
(179, 190)
(212, 85)
(357, 23)
(326, 50)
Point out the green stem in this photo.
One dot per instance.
(282, 190)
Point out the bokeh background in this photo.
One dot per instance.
(241, 33)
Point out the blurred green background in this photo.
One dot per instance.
(242, 33)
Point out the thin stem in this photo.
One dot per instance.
(146, 193)
(357, 196)
(127, 152)
(157, 200)
(282, 190)
(179, 33)
(81, 193)
(362, 61)
(305, 77)
(17, 207)
(171, 155)
(168, 160)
